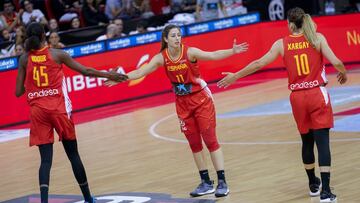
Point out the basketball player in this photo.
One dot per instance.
(41, 78)
(194, 102)
(303, 52)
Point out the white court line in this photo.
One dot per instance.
(153, 132)
(8, 135)
(156, 135)
(166, 138)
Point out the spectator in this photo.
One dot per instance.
(159, 7)
(115, 9)
(54, 41)
(111, 31)
(53, 26)
(20, 35)
(6, 38)
(63, 10)
(234, 7)
(19, 49)
(141, 28)
(209, 10)
(5, 35)
(93, 16)
(120, 24)
(75, 23)
(178, 6)
(32, 15)
(182, 19)
(9, 18)
(141, 8)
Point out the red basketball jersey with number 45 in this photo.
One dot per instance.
(183, 74)
(304, 63)
(45, 86)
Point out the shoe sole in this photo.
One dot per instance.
(222, 195)
(204, 193)
(328, 200)
(315, 194)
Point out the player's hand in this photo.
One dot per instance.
(239, 48)
(110, 83)
(342, 78)
(229, 79)
(115, 76)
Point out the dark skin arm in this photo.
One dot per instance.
(20, 79)
(65, 58)
(60, 57)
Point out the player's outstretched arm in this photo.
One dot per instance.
(254, 66)
(146, 69)
(195, 53)
(154, 63)
(20, 79)
(71, 63)
(329, 54)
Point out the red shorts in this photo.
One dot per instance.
(43, 123)
(312, 109)
(196, 113)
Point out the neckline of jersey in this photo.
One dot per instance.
(300, 35)
(180, 56)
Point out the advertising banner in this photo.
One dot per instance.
(342, 33)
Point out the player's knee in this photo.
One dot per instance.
(195, 142)
(213, 146)
(209, 137)
(196, 147)
(211, 143)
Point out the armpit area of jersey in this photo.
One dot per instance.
(182, 88)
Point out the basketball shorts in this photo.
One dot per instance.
(196, 113)
(43, 123)
(312, 109)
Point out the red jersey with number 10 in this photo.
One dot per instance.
(304, 63)
(183, 74)
(45, 86)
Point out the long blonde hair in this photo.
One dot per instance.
(298, 19)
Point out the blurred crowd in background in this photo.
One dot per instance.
(70, 22)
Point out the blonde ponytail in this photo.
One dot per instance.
(309, 28)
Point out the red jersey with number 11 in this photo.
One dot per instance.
(303, 62)
(183, 74)
(45, 86)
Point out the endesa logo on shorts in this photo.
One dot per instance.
(43, 93)
(304, 85)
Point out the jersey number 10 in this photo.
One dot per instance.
(302, 64)
(40, 76)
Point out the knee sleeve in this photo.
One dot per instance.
(209, 137)
(321, 137)
(308, 156)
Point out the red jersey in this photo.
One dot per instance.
(45, 85)
(304, 63)
(183, 74)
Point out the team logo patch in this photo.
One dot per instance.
(111, 198)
